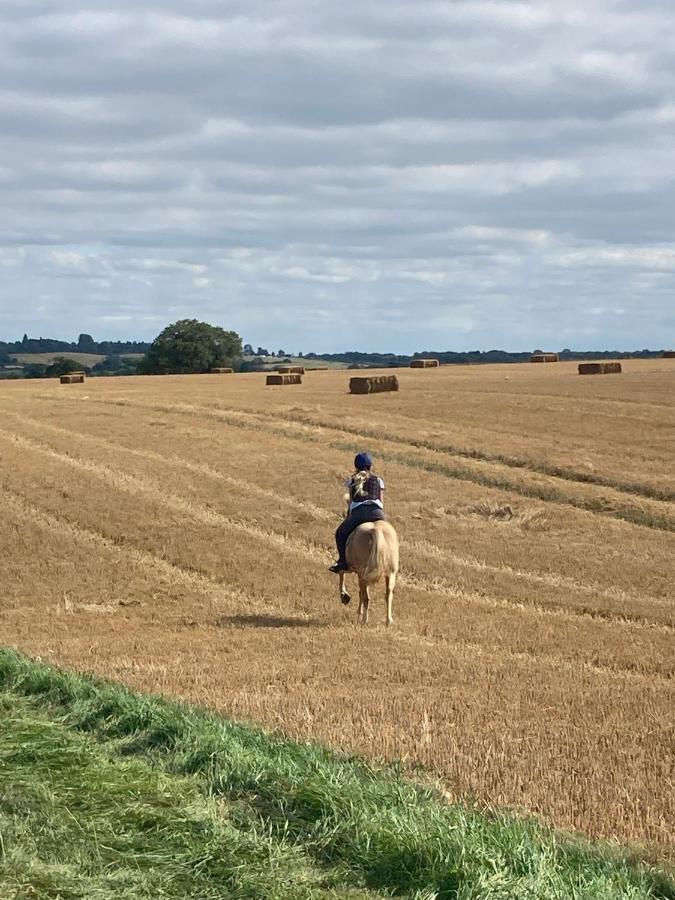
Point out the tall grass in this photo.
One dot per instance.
(380, 829)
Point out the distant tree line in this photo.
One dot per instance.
(84, 344)
(357, 359)
(191, 347)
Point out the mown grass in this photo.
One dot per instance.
(362, 827)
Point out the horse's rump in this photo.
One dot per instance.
(372, 551)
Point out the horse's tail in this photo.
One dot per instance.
(383, 557)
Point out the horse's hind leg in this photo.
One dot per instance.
(389, 582)
(344, 593)
(364, 598)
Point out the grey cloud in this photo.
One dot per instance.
(470, 174)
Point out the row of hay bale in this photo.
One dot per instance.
(222, 370)
(424, 363)
(72, 378)
(600, 368)
(284, 378)
(373, 384)
(544, 357)
(290, 370)
(669, 354)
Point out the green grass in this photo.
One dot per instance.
(258, 815)
(79, 821)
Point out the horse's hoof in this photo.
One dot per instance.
(346, 599)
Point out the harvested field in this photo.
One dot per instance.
(600, 368)
(374, 384)
(160, 534)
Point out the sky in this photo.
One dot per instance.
(375, 175)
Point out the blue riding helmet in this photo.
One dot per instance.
(362, 461)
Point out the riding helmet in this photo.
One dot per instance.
(362, 461)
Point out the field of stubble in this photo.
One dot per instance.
(173, 533)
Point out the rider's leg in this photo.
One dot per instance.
(341, 538)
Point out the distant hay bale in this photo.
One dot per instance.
(544, 357)
(222, 370)
(287, 378)
(424, 364)
(669, 354)
(73, 378)
(373, 384)
(599, 368)
(290, 370)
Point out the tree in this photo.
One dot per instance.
(61, 365)
(5, 359)
(261, 351)
(86, 344)
(248, 350)
(189, 347)
(34, 370)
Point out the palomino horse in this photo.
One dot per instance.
(372, 553)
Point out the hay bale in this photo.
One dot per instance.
(287, 378)
(222, 371)
(544, 357)
(373, 384)
(669, 354)
(74, 378)
(599, 368)
(290, 370)
(424, 363)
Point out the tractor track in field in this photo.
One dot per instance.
(421, 547)
(210, 587)
(659, 514)
(135, 486)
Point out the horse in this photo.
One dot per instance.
(372, 553)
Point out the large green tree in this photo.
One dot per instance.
(189, 347)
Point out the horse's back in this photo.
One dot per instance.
(372, 549)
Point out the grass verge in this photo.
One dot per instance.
(370, 828)
(78, 822)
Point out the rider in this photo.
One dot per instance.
(365, 505)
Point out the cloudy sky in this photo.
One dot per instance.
(371, 174)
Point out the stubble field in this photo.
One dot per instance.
(173, 533)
